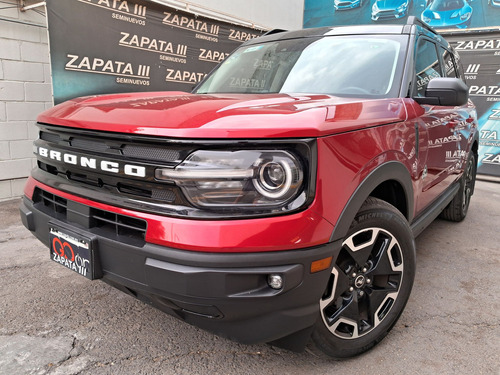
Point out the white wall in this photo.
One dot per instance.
(274, 14)
(25, 91)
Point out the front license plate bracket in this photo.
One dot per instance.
(75, 251)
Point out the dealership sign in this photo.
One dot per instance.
(439, 14)
(112, 46)
(462, 22)
(480, 55)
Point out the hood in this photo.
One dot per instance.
(442, 17)
(390, 4)
(182, 115)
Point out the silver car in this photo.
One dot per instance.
(390, 9)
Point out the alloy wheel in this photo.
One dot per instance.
(364, 283)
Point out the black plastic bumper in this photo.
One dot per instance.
(225, 293)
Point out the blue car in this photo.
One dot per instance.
(389, 9)
(347, 4)
(447, 14)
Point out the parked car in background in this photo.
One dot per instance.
(390, 9)
(448, 14)
(347, 4)
(494, 3)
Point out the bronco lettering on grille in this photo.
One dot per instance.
(92, 163)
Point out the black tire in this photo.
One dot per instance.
(459, 206)
(370, 283)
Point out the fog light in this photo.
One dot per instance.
(275, 281)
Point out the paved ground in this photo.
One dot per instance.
(53, 321)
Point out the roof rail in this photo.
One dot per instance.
(273, 31)
(412, 20)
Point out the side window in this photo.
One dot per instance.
(449, 63)
(426, 64)
(458, 65)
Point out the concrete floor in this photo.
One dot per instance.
(53, 321)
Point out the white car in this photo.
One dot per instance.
(347, 4)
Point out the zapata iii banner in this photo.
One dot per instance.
(114, 46)
(480, 55)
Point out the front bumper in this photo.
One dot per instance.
(344, 5)
(387, 14)
(448, 23)
(225, 293)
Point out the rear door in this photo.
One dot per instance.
(461, 125)
(439, 122)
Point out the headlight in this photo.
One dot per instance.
(375, 8)
(401, 8)
(247, 179)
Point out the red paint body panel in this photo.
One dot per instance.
(345, 160)
(184, 115)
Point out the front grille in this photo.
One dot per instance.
(151, 153)
(56, 205)
(121, 225)
(386, 14)
(105, 223)
(50, 137)
(116, 151)
(168, 154)
(119, 170)
(90, 145)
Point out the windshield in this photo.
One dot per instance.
(442, 5)
(363, 66)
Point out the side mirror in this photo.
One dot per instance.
(445, 92)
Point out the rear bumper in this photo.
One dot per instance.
(225, 293)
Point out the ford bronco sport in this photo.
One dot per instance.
(279, 201)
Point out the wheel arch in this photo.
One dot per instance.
(390, 182)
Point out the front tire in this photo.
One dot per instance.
(370, 283)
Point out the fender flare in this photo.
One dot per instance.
(392, 170)
(475, 140)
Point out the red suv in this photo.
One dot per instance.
(279, 201)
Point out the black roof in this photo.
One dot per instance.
(412, 25)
